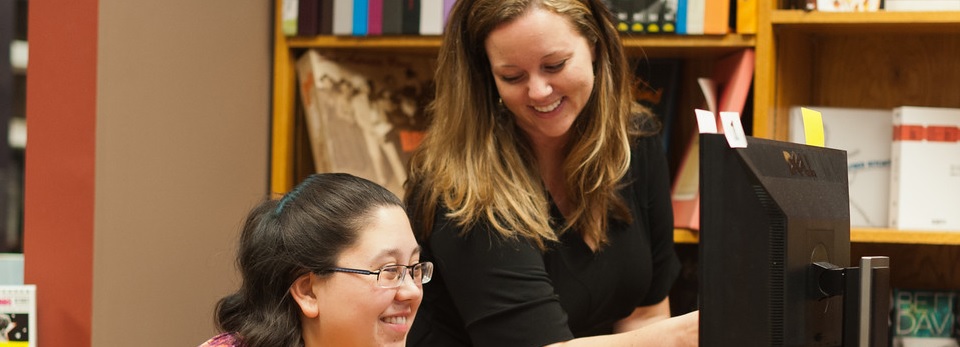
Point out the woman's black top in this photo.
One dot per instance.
(490, 291)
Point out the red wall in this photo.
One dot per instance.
(59, 187)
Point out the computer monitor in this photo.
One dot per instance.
(774, 247)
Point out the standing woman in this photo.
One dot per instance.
(332, 263)
(541, 192)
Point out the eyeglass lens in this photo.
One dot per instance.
(393, 275)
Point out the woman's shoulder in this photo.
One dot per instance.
(223, 340)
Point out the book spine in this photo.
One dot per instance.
(307, 17)
(288, 17)
(668, 17)
(682, 17)
(393, 16)
(620, 15)
(361, 10)
(716, 17)
(637, 16)
(894, 212)
(326, 17)
(375, 18)
(411, 17)
(924, 314)
(746, 16)
(342, 17)
(431, 17)
(447, 7)
(695, 15)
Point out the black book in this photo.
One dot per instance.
(308, 21)
(393, 17)
(411, 17)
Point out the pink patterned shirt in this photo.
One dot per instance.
(223, 340)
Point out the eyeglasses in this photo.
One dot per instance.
(391, 276)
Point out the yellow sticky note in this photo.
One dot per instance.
(812, 127)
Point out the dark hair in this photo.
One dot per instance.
(281, 240)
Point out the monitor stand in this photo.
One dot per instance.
(866, 298)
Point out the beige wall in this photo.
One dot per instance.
(181, 155)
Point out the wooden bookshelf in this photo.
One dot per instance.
(835, 22)
(863, 235)
(865, 60)
(880, 60)
(700, 49)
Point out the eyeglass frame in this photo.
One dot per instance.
(407, 270)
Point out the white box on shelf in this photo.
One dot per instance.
(925, 169)
(865, 135)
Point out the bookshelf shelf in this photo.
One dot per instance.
(863, 236)
(686, 236)
(882, 21)
(654, 45)
(284, 157)
(905, 236)
(403, 43)
(864, 60)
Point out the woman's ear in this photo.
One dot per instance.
(303, 293)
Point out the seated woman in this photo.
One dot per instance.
(326, 265)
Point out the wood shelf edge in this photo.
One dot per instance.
(937, 22)
(686, 236)
(433, 42)
(920, 237)
(861, 235)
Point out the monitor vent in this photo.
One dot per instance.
(777, 262)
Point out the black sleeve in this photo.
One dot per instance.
(653, 188)
(500, 287)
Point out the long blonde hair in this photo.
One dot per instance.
(479, 165)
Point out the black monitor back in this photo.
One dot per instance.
(768, 211)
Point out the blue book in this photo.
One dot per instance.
(682, 17)
(361, 10)
(923, 313)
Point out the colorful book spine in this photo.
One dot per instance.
(746, 16)
(375, 18)
(923, 318)
(682, 17)
(361, 10)
(447, 6)
(716, 20)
